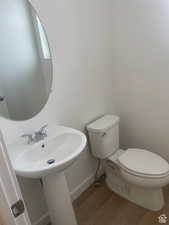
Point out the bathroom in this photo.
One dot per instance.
(108, 57)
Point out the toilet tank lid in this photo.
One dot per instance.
(103, 124)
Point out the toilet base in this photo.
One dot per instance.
(151, 199)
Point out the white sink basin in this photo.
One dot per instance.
(48, 159)
(53, 154)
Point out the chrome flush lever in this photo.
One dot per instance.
(2, 98)
(103, 134)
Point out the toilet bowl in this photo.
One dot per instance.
(136, 174)
(128, 175)
(145, 181)
(144, 168)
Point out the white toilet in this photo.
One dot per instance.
(136, 174)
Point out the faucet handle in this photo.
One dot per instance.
(43, 128)
(29, 136)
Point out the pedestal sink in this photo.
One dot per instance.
(48, 159)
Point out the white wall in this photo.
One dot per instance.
(79, 34)
(141, 72)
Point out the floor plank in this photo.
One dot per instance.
(100, 206)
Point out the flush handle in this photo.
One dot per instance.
(103, 134)
(2, 98)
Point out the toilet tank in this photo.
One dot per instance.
(104, 136)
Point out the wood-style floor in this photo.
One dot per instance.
(100, 206)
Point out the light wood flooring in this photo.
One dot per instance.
(100, 206)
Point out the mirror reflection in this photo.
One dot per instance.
(25, 62)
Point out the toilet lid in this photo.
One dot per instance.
(144, 162)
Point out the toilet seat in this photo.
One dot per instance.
(144, 163)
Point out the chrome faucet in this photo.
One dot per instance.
(41, 134)
(30, 138)
(37, 136)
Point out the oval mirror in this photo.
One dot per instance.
(25, 61)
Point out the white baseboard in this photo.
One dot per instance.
(44, 220)
(82, 187)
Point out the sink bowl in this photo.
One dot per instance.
(47, 159)
(53, 154)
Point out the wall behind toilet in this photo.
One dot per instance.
(82, 89)
(141, 73)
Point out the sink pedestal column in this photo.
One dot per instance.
(58, 199)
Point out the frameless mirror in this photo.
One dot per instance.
(25, 61)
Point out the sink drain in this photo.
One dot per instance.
(50, 161)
